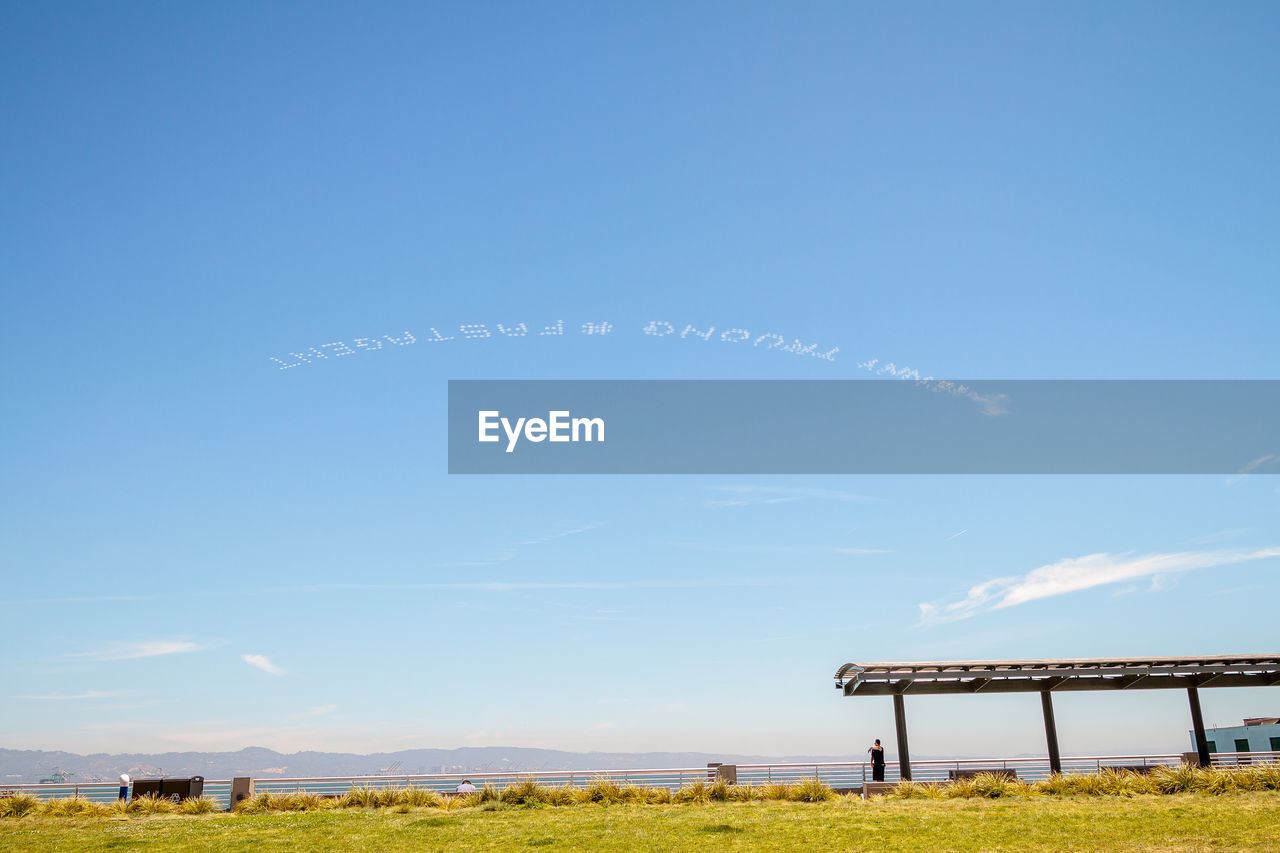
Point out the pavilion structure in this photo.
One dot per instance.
(1047, 677)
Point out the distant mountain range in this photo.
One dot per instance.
(21, 765)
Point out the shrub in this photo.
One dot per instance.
(960, 789)
(252, 805)
(775, 791)
(526, 793)
(385, 798)
(18, 805)
(990, 785)
(74, 807)
(811, 791)
(698, 792)
(198, 805)
(358, 798)
(281, 802)
(634, 794)
(718, 791)
(909, 791)
(564, 796)
(423, 798)
(1268, 777)
(1056, 784)
(450, 803)
(658, 796)
(604, 791)
(150, 805)
(1176, 780)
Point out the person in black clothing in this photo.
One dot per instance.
(877, 762)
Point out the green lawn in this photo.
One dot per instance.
(1165, 823)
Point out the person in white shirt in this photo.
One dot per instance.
(124, 786)
(466, 787)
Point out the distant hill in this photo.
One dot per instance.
(21, 765)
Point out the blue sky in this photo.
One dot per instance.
(202, 550)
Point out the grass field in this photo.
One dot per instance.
(1182, 822)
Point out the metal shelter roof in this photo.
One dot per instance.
(1067, 674)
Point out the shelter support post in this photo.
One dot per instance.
(1197, 725)
(1051, 731)
(900, 724)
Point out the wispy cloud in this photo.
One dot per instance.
(510, 552)
(263, 663)
(573, 531)
(132, 706)
(90, 599)
(88, 694)
(754, 495)
(516, 586)
(1077, 573)
(956, 535)
(1250, 467)
(732, 548)
(1236, 590)
(210, 735)
(145, 649)
(1210, 538)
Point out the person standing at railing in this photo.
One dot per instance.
(124, 786)
(877, 762)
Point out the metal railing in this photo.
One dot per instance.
(218, 790)
(837, 774)
(855, 774)
(1240, 759)
(672, 778)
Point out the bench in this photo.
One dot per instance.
(999, 773)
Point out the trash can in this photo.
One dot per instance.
(176, 789)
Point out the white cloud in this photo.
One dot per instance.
(146, 649)
(263, 663)
(1077, 573)
(88, 694)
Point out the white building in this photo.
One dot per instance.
(1258, 734)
